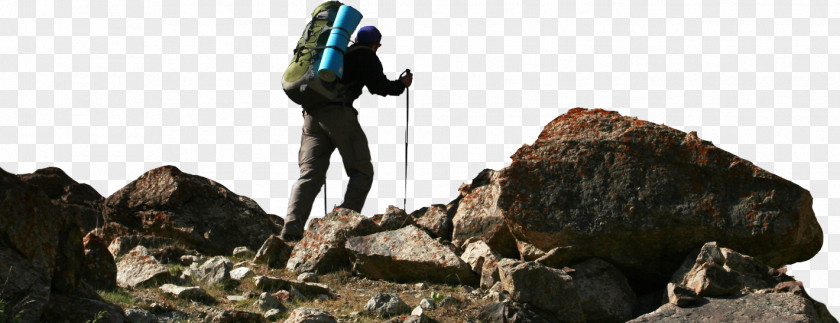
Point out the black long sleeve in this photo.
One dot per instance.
(362, 68)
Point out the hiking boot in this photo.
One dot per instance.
(288, 236)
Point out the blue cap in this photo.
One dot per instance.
(368, 34)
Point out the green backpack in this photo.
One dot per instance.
(300, 81)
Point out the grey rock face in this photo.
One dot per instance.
(512, 312)
(215, 270)
(137, 315)
(241, 273)
(405, 255)
(322, 249)
(140, 268)
(100, 269)
(225, 316)
(394, 218)
(78, 201)
(307, 290)
(544, 287)
(605, 295)
(386, 305)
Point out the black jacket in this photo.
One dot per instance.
(363, 68)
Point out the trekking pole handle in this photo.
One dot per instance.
(407, 71)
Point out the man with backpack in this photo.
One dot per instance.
(336, 126)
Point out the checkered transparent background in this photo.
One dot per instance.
(107, 90)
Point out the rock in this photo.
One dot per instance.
(268, 302)
(550, 289)
(273, 314)
(680, 295)
(322, 249)
(42, 251)
(477, 253)
(308, 277)
(782, 307)
(616, 188)
(236, 298)
(100, 269)
(282, 295)
(407, 254)
(241, 273)
(80, 202)
(512, 312)
(310, 315)
(215, 270)
(197, 212)
(435, 221)
(273, 252)
(242, 252)
(230, 316)
(164, 249)
(450, 300)
(308, 290)
(418, 318)
(193, 293)
(64, 308)
(140, 268)
(528, 252)
(386, 305)
(605, 295)
(427, 304)
(137, 315)
(394, 218)
(478, 216)
(187, 260)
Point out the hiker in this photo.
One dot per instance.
(336, 125)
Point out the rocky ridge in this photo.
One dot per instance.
(604, 218)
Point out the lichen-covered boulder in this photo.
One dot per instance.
(478, 216)
(773, 307)
(546, 288)
(274, 252)
(605, 294)
(197, 212)
(140, 268)
(408, 254)
(642, 196)
(435, 220)
(79, 201)
(322, 249)
(100, 269)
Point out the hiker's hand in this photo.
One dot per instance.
(407, 79)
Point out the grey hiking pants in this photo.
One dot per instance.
(324, 130)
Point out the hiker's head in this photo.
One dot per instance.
(369, 36)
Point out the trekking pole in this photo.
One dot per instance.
(325, 198)
(405, 179)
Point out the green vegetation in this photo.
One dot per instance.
(118, 296)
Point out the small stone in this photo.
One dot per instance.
(187, 260)
(193, 293)
(268, 302)
(680, 296)
(273, 314)
(137, 315)
(242, 252)
(241, 273)
(386, 305)
(236, 298)
(449, 301)
(282, 295)
(421, 286)
(310, 315)
(308, 277)
(418, 311)
(427, 304)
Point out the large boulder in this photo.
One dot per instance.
(197, 212)
(478, 215)
(140, 268)
(605, 295)
(100, 269)
(42, 258)
(546, 288)
(322, 248)
(79, 201)
(642, 196)
(772, 307)
(408, 254)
